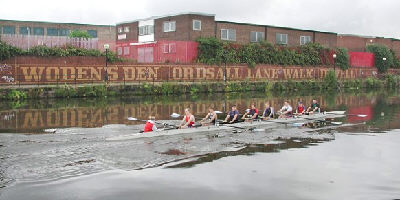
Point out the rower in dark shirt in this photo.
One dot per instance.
(233, 115)
(252, 112)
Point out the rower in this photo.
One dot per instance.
(286, 110)
(233, 115)
(314, 107)
(150, 125)
(188, 120)
(301, 109)
(268, 112)
(211, 117)
(252, 112)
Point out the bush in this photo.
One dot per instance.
(16, 95)
(381, 52)
(342, 58)
(330, 80)
(79, 34)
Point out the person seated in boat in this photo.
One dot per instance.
(286, 111)
(211, 117)
(150, 125)
(301, 109)
(188, 120)
(233, 115)
(268, 112)
(314, 108)
(252, 112)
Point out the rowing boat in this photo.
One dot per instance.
(244, 125)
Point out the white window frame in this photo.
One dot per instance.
(126, 29)
(119, 51)
(126, 53)
(303, 39)
(281, 38)
(257, 39)
(169, 48)
(120, 29)
(146, 30)
(194, 27)
(170, 27)
(227, 34)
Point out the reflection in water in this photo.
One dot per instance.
(36, 116)
(250, 149)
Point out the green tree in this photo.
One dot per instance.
(342, 58)
(383, 57)
(79, 34)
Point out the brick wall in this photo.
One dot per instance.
(328, 40)
(293, 35)
(105, 34)
(242, 31)
(132, 35)
(396, 47)
(353, 43)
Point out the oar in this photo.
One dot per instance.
(343, 113)
(141, 120)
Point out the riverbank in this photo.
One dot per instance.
(177, 88)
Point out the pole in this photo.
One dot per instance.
(29, 34)
(106, 72)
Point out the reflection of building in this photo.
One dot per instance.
(26, 34)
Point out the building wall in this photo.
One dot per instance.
(353, 43)
(131, 36)
(105, 34)
(293, 35)
(242, 31)
(328, 40)
(396, 47)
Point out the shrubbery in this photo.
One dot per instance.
(384, 57)
(8, 51)
(342, 58)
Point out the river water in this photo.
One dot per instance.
(58, 149)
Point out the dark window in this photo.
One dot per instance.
(38, 31)
(25, 30)
(52, 32)
(92, 33)
(281, 38)
(8, 29)
(63, 32)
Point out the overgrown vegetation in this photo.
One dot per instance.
(384, 57)
(8, 51)
(90, 91)
(79, 34)
(342, 58)
(214, 51)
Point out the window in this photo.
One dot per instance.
(256, 36)
(38, 31)
(8, 29)
(196, 25)
(169, 48)
(126, 51)
(63, 32)
(146, 30)
(52, 32)
(305, 39)
(281, 38)
(228, 34)
(92, 33)
(126, 29)
(25, 30)
(169, 26)
(119, 29)
(119, 50)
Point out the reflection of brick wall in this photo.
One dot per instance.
(27, 120)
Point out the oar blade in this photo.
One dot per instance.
(132, 119)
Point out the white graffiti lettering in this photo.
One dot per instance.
(8, 79)
(5, 68)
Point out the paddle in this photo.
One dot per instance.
(343, 113)
(141, 120)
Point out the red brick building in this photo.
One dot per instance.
(172, 38)
(26, 34)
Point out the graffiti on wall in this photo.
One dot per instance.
(138, 73)
(6, 74)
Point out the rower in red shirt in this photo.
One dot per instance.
(188, 120)
(252, 112)
(150, 125)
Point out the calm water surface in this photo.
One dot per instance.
(57, 150)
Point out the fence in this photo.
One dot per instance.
(29, 41)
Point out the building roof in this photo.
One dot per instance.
(171, 15)
(281, 27)
(368, 37)
(64, 23)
